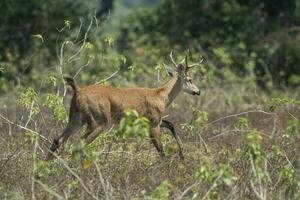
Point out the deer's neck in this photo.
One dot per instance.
(171, 89)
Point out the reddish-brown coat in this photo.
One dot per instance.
(102, 106)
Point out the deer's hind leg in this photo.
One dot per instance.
(93, 130)
(76, 120)
(73, 126)
(93, 135)
(97, 123)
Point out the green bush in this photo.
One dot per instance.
(233, 34)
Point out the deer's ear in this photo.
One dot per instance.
(170, 71)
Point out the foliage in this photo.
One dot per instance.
(216, 178)
(243, 122)
(133, 126)
(31, 31)
(54, 102)
(162, 191)
(28, 99)
(23, 20)
(42, 168)
(290, 181)
(234, 34)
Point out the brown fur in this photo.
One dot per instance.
(102, 106)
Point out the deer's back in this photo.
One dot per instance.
(114, 101)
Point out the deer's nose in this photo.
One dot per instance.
(197, 93)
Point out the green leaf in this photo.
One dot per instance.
(67, 23)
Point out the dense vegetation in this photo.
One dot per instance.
(232, 33)
(240, 137)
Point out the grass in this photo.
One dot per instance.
(235, 147)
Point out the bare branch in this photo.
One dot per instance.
(258, 195)
(80, 69)
(107, 188)
(84, 41)
(239, 114)
(106, 79)
(49, 190)
(187, 190)
(76, 176)
(22, 127)
(79, 30)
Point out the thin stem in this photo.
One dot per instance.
(84, 41)
(76, 176)
(33, 170)
(106, 79)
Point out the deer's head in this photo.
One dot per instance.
(182, 69)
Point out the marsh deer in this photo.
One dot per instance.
(102, 106)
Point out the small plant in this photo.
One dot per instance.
(122, 59)
(215, 178)
(52, 80)
(109, 41)
(254, 139)
(33, 136)
(260, 176)
(162, 192)
(67, 24)
(131, 125)
(290, 182)
(132, 68)
(206, 173)
(228, 177)
(200, 117)
(243, 122)
(54, 102)
(73, 187)
(274, 103)
(28, 99)
(293, 128)
(42, 168)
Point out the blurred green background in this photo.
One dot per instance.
(256, 40)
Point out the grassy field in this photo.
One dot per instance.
(239, 143)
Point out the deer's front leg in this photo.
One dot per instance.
(155, 139)
(169, 125)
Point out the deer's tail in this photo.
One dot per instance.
(72, 83)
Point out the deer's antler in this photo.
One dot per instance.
(172, 60)
(197, 63)
(188, 67)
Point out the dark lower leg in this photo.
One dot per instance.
(158, 147)
(59, 140)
